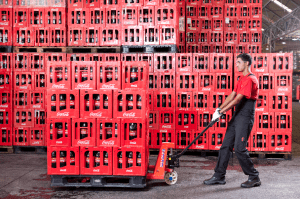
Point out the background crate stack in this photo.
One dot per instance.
(6, 23)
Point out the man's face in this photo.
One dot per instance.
(241, 65)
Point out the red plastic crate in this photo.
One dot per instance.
(134, 133)
(40, 118)
(164, 100)
(283, 121)
(216, 138)
(59, 132)
(259, 141)
(58, 73)
(20, 62)
(186, 120)
(184, 62)
(6, 4)
(6, 18)
(22, 99)
(187, 81)
(193, 48)
(153, 120)
(231, 37)
(206, 24)
(255, 24)
(153, 81)
(130, 104)
(77, 57)
(150, 99)
(266, 82)
(223, 122)
(6, 99)
(55, 17)
(229, 48)
(63, 161)
(193, 37)
(96, 104)
(260, 63)
(21, 17)
(183, 139)
(6, 137)
(256, 11)
(230, 24)
(263, 103)
(97, 16)
(95, 57)
(110, 36)
(109, 75)
(157, 137)
(132, 35)
(146, 14)
(57, 36)
(23, 36)
(244, 38)
(83, 132)
(201, 101)
(280, 62)
(91, 36)
(62, 104)
(167, 119)
(264, 121)
(283, 82)
(223, 82)
(241, 24)
(243, 11)
(134, 75)
(6, 62)
(193, 24)
(129, 15)
(6, 117)
(242, 48)
(230, 11)
(164, 62)
(6, 80)
(55, 57)
(129, 161)
(169, 35)
(255, 37)
(151, 2)
(191, 9)
(204, 11)
(148, 57)
(36, 62)
(37, 137)
(42, 36)
(279, 102)
(206, 81)
(184, 101)
(167, 15)
(216, 37)
(166, 81)
(201, 62)
(255, 48)
(113, 16)
(96, 160)
(217, 99)
(108, 132)
(92, 4)
(78, 17)
(36, 17)
(202, 142)
(171, 3)
(217, 48)
(221, 63)
(39, 80)
(20, 136)
(217, 11)
(112, 57)
(23, 118)
(83, 75)
(152, 35)
(23, 80)
(280, 141)
(75, 36)
(205, 37)
(204, 117)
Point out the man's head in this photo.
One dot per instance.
(243, 62)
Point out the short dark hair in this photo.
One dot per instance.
(245, 57)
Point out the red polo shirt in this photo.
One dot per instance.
(247, 86)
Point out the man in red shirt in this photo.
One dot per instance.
(244, 97)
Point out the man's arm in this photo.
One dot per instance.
(232, 103)
(228, 100)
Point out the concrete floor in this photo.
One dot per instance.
(25, 176)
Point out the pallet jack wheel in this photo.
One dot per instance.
(171, 178)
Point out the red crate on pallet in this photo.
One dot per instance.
(150, 99)
(192, 37)
(36, 62)
(55, 57)
(216, 37)
(201, 62)
(283, 121)
(153, 81)
(110, 36)
(6, 117)
(128, 161)
(230, 24)
(283, 82)
(62, 104)
(134, 132)
(75, 36)
(6, 99)
(96, 160)
(42, 36)
(164, 100)
(215, 139)
(221, 63)
(130, 104)
(256, 37)
(264, 121)
(164, 62)
(84, 75)
(23, 117)
(241, 24)
(55, 17)
(129, 57)
(75, 4)
(281, 62)
(244, 37)
(263, 103)
(134, 75)
(6, 136)
(167, 15)
(97, 16)
(204, 117)
(243, 11)
(229, 48)
(217, 48)
(184, 62)
(40, 118)
(57, 36)
(148, 57)
(78, 17)
(21, 17)
(22, 99)
(39, 80)
(20, 136)
(169, 35)
(58, 73)
(109, 75)
(96, 104)
(146, 15)
(23, 36)
(280, 141)
(77, 57)
(95, 57)
(201, 101)
(259, 141)
(184, 101)
(255, 48)
(20, 62)
(202, 142)
(256, 11)
(92, 4)
(113, 16)
(223, 82)
(157, 137)
(108, 132)
(187, 81)
(183, 139)
(222, 124)
(132, 35)
(231, 37)
(205, 37)
(204, 11)
(166, 81)
(266, 82)
(217, 99)
(193, 48)
(217, 11)
(206, 24)
(129, 15)
(63, 160)
(153, 120)
(167, 119)
(23, 80)
(36, 17)
(91, 36)
(151, 35)
(230, 11)
(193, 24)
(59, 132)
(6, 80)
(83, 132)
(255, 25)
(6, 18)
(242, 48)
(186, 120)
(279, 102)
(206, 81)
(37, 137)
(191, 10)
(260, 62)
(6, 62)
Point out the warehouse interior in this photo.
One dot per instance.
(28, 171)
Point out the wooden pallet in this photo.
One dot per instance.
(150, 49)
(21, 49)
(30, 149)
(6, 149)
(96, 49)
(271, 155)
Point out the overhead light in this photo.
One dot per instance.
(283, 43)
(282, 6)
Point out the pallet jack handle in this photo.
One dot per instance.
(173, 160)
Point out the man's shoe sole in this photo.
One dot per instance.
(254, 185)
(216, 183)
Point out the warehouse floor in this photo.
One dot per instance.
(25, 176)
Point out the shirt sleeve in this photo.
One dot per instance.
(246, 89)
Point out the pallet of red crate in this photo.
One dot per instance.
(158, 136)
(109, 75)
(6, 136)
(134, 75)
(84, 75)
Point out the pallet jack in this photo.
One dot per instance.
(161, 171)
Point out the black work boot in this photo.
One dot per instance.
(251, 183)
(214, 180)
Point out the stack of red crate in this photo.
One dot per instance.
(39, 23)
(243, 26)
(6, 21)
